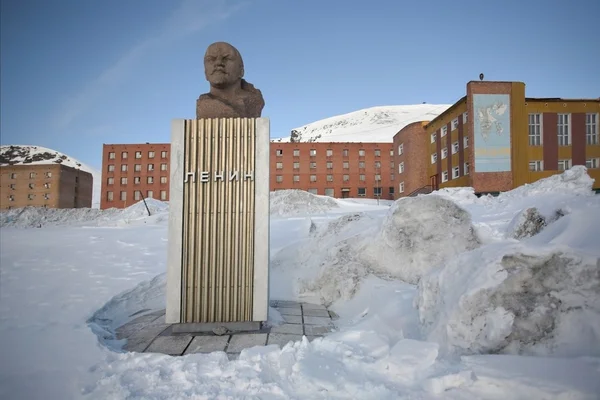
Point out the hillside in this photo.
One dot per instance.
(26, 154)
(375, 124)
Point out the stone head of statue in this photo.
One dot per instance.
(223, 65)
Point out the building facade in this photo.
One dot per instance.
(340, 170)
(495, 139)
(131, 172)
(45, 185)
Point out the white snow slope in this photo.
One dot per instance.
(491, 318)
(375, 124)
(26, 154)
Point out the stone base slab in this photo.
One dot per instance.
(218, 328)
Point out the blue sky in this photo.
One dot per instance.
(76, 74)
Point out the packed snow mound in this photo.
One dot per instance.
(25, 154)
(529, 222)
(375, 124)
(295, 202)
(34, 217)
(574, 181)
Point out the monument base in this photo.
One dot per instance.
(217, 327)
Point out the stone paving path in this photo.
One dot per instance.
(150, 334)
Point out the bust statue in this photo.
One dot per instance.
(230, 95)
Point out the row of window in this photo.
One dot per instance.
(138, 154)
(137, 195)
(329, 165)
(137, 167)
(455, 148)
(13, 186)
(30, 196)
(329, 152)
(32, 175)
(536, 129)
(136, 180)
(563, 165)
(456, 172)
(360, 192)
(329, 178)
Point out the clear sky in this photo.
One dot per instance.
(76, 74)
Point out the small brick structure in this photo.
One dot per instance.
(150, 334)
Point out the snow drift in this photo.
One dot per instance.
(299, 202)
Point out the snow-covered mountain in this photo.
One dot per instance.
(375, 124)
(26, 154)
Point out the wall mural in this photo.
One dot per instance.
(491, 132)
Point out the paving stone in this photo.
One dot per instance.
(290, 311)
(138, 341)
(316, 313)
(311, 306)
(295, 329)
(143, 323)
(207, 344)
(292, 319)
(243, 341)
(172, 345)
(283, 303)
(317, 321)
(317, 330)
(281, 339)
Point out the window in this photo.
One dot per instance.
(536, 165)
(346, 165)
(296, 165)
(433, 137)
(279, 152)
(109, 196)
(13, 186)
(329, 192)
(150, 154)
(434, 158)
(454, 147)
(30, 196)
(137, 195)
(345, 152)
(124, 155)
(401, 149)
(11, 197)
(445, 176)
(377, 177)
(444, 130)
(591, 128)
(111, 155)
(466, 172)
(346, 178)
(401, 187)
(377, 192)
(329, 178)
(592, 163)
(137, 167)
(313, 152)
(465, 117)
(329, 165)
(31, 186)
(313, 165)
(138, 154)
(329, 152)
(444, 153)
(150, 167)
(13, 176)
(392, 164)
(564, 165)
(279, 178)
(392, 177)
(123, 181)
(455, 123)
(313, 191)
(48, 174)
(124, 167)
(279, 165)
(123, 196)
(150, 179)
(296, 153)
(564, 131)
(313, 178)
(111, 168)
(535, 129)
(361, 165)
(361, 177)
(362, 192)
(136, 180)
(455, 172)
(392, 153)
(163, 154)
(163, 179)
(31, 175)
(466, 142)
(377, 164)
(361, 153)
(391, 190)
(150, 194)
(296, 178)
(163, 195)
(377, 153)
(401, 167)
(163, 167)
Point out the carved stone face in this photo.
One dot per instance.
(223, 65)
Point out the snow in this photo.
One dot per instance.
(33, 155)
(492, 317)
(375, 124)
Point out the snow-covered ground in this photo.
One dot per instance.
(487, 298)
